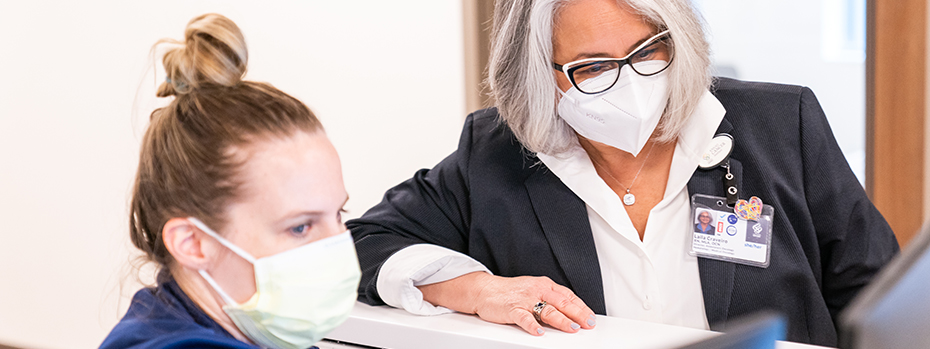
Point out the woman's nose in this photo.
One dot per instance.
(335, 228)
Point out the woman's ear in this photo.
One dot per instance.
(183, 241)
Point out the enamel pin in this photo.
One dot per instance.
(748, 210)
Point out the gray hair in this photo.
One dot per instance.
(521, 77)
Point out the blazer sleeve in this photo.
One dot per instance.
(854, 239)
(432, 207)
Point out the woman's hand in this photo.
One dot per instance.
(506, 300)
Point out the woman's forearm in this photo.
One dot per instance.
(459, 294)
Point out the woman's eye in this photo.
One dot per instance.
(300, 229)
(592, 70)
(646, 53)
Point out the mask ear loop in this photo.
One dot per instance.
(216, 287)
(224, 242)
(565, 95)
(203, 273)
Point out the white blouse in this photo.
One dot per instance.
(652, 280)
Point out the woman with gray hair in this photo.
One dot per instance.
(576, 195)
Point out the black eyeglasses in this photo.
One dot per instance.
(596, 75)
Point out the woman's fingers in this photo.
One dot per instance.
(512, 300)
(527, 322)
(570, 306)
(555, 318)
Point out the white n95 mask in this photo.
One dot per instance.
(622, 117)
(301, 294)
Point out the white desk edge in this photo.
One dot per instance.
(395, 328)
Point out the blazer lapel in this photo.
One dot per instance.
(716, 276)
(564, 220)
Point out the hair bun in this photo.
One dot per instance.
(213, 53)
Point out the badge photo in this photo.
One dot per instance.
(705, 222)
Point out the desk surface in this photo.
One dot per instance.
(395, 328)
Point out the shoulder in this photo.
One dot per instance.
(486, 125)
(732, 89)
(768, 113)
(762, 99)
(137, 335)
(487, 118)
(493, 149)
(157, 318)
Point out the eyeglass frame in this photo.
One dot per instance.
(575, 65)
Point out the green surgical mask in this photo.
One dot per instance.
(301, 294)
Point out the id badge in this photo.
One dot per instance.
(719, 233)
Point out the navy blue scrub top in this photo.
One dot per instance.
(165, 317)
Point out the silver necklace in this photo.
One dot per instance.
(629, 199)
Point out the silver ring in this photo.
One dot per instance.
(537, 310)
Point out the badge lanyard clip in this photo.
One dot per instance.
(718, 154)
(729, 182)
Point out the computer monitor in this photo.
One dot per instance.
(893, 311)
(757, 331)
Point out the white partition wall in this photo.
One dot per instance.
(819, 44)
(385, 77)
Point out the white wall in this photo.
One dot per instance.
(796, 42)
(385, 77)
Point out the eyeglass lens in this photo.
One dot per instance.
(598, 76)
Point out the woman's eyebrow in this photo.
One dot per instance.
(640, 42)
(586, 55)
(302, 214)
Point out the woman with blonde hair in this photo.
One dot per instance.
(238, 199)
(576, 195)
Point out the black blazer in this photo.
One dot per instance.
(496, 202)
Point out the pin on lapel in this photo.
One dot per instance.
(749, 210)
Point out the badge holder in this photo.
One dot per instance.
(726, 228)
(732, 237)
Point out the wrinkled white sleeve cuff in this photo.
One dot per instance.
(419, 265)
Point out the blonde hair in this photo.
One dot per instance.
(521, 77)
(186, 167)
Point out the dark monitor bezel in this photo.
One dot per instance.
(851, 319)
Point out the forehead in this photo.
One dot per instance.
(297, 172)
(597, 28)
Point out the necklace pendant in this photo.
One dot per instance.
(629, 199)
